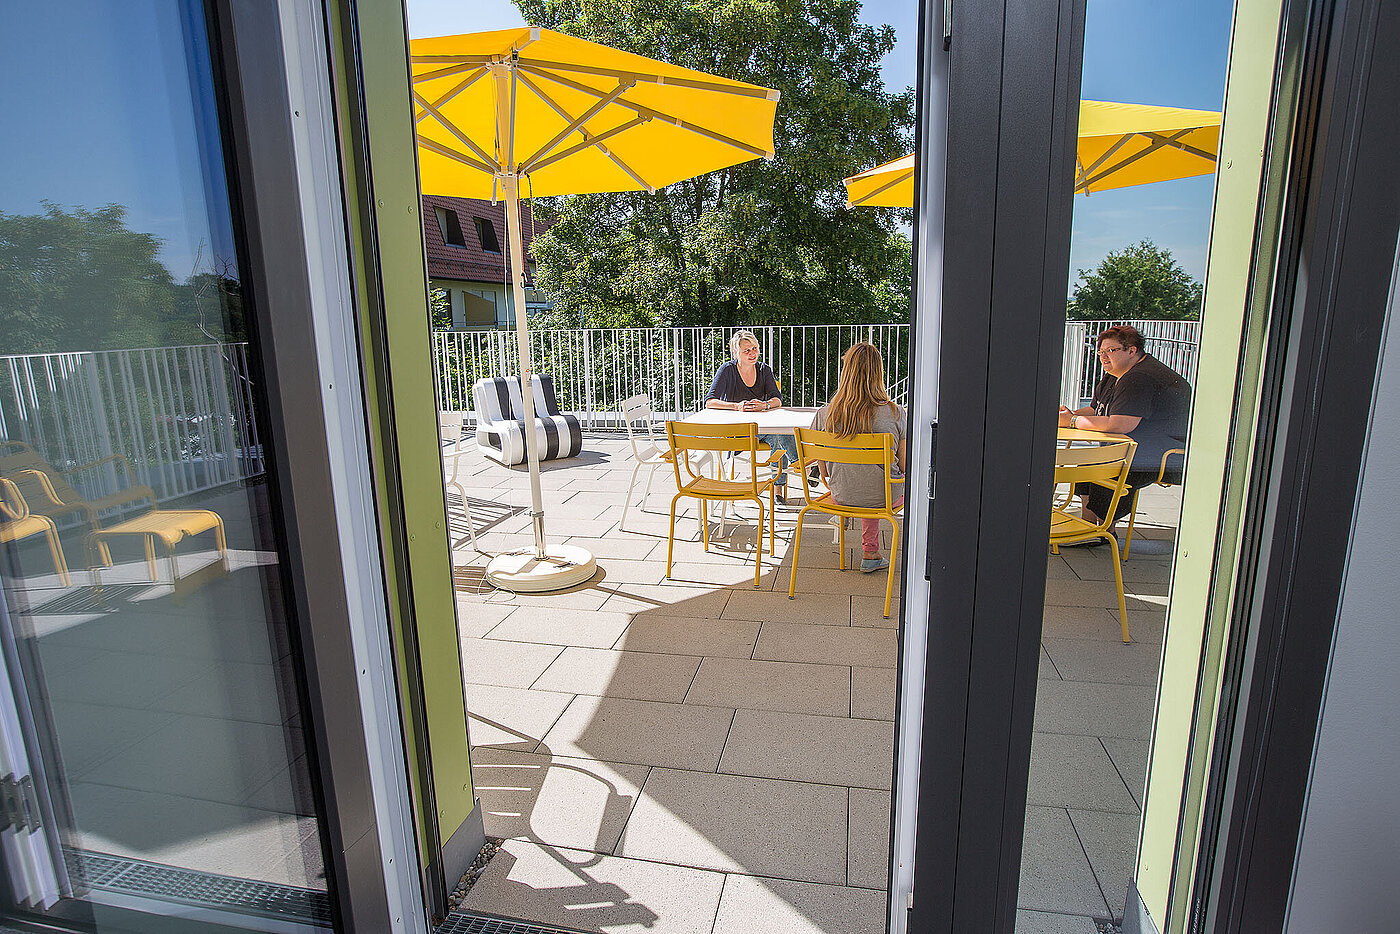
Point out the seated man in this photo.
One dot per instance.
(1140, 397)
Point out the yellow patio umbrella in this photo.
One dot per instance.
(1120, 145)
(529, 112)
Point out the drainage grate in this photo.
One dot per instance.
(461, 922)
(227, 893)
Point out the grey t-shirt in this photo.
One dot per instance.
(864, 484)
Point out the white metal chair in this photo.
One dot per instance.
(450, 433)
(648, 450)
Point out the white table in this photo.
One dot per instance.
(783, 420)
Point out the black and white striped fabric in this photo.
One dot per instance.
(500, 421)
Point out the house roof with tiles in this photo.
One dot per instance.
(466, 238)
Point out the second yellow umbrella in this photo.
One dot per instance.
(1120, 145)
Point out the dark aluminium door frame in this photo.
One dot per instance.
(1013, 94)
(265, 195)
(1337, 254)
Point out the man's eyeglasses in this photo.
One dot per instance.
(1104, 350)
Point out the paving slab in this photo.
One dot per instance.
(1094, 709)
(476, 618)
(721, 574)
(680, 736)
(659, 600)
(686, 635)
(1111, 660)
(797, 908)
(1055, 873)
(606, 673)
(580, 803)
(508, 664)
(869, 611)
(1130, 758)
(1101, 624)
(798, 747)
(822, 609)
(582, 891)
(832, 580)
(768, 685)
(868, 839)
(1104, 593)
(1111, 841)
(1075, 772)
(511, 718)
(1044, 922)
(789, 830)
(873, 693)
(588, 628)
(827, 645)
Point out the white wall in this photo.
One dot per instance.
(1347, 871)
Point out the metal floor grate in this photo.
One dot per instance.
(462, 922)
(228, 893)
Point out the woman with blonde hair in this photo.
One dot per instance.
(862, 405)
(745, 385)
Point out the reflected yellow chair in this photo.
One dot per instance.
(687, 439)
(49, 492)
(819, 448)
(16, 523)
(1160, 481)
(1108, 466)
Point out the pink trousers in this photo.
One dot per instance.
(870, 531)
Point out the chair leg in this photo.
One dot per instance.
(705, 523)
(1132, 518)
(627, 502)
(151, 558)
(758, 544)
(889, 572)
(796, 552)
(221, 541)
(841, 534)
(671, 535)
(1118, 579)
(651, 475)
(56, 552)
(772, 521)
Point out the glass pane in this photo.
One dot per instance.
(149, 714)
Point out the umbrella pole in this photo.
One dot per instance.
(522, 340)
(542, 569)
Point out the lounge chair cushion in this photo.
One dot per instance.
(500, 421)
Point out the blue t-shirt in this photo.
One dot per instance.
(729, 386)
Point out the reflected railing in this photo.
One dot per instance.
(180, 416)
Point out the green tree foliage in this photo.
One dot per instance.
(1139, 281)
(761, 242)
(83, 280)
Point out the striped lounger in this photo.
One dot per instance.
(500, 422)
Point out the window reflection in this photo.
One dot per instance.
(148, 709)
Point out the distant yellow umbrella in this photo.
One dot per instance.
(1120, 145)
(530, 112)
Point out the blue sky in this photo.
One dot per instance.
(1167, 52)
(131, 141)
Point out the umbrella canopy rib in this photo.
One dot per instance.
(1175, 143)
(654, 114)
(453, 154)
(456, 89)
(738, 90)
(563, 115)
(451, 127)
(588, 141)
(578, 122)
(455, 69)
(1158, 142)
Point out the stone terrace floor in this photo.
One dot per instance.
(696, 755)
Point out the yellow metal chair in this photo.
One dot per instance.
(16, 523)
(49, 493)
(1106, 465)
(1160, 481)
(819, 448)
(690, 438)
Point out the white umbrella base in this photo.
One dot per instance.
(563, 566)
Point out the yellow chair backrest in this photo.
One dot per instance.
(1105, 464)
(686, 438)
(22, 464)
(12, 504)
(873, 449)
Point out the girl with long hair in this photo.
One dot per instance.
(862, 405)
